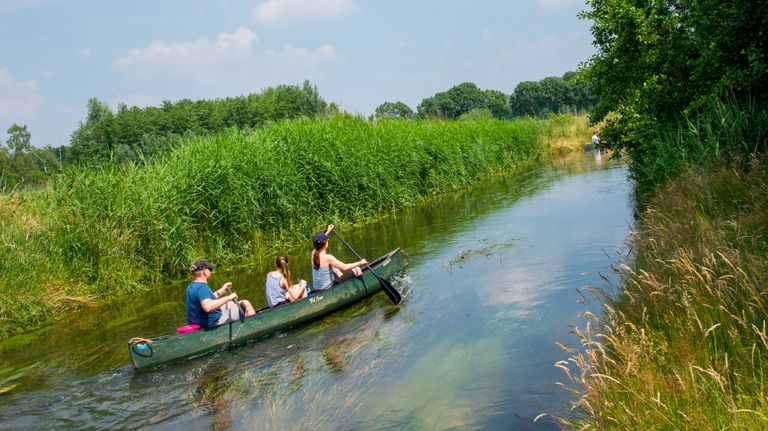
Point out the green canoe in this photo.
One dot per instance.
(148, 353)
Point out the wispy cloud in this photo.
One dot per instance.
(293, 10)
(190, 54)
(84, 52)
(548, 50)
(229, 63)
(19, 99)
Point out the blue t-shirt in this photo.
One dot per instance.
(196, 292)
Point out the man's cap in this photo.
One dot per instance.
(320, 238)
(201, 264)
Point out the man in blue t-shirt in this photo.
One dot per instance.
(207, 308)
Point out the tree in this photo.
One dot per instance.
(19, 139)
(92, 141)
(553, 94)
(393, 110)
(461, 99)
(526, 99)
(658, 59)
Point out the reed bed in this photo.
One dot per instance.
(684, 343)
(722, 129)
(95, 235)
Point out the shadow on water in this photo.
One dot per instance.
(491, 284)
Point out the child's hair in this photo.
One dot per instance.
(281, 262)
(316, 255)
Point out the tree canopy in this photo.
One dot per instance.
(134, 134)
(553, 95)
(658, 59)
(461, 99)
(393, 110)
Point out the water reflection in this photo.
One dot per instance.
(491, 284)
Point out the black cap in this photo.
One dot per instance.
(320, 238)
(201, 264)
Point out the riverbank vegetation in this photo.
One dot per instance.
(97, 234)
(684, 344)
(682, 341)
(136, 135)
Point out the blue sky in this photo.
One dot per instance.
(56, 54)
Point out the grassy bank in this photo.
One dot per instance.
(683, 342)
(96, 235)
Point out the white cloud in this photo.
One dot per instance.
(190, 55)
(46, 73)
(486, 34)
(558, 4)
(554, 50)
(226, 65)
(84, 53)
(19, 100)
(292, 10)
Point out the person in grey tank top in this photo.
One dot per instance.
(326, 269)
(279, 288)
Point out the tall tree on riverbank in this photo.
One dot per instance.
(658, 60)
(393, 110)
(461, 99)
(552, 95)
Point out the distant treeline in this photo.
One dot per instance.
(552, 95)
(135, 135)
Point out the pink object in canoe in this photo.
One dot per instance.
(187, 329)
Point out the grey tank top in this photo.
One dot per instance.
(275, 293)
(322, 278)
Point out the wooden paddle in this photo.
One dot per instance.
(393, 294)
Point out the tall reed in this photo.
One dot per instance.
(94, 235)
(684, 343)
(722, 129)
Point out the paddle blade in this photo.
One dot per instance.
(391, 292)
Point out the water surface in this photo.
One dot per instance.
(492, 282)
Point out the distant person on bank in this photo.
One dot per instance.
(279, 287)
(595, 139)
(207, 308)
(326, 269)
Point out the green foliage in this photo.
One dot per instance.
(137, 134)
(477, 114)
(22, 165)
(461, 99)
(683, 344)
(98, 233)
(393, 110)
(659, 60)
(552, 95)
(726, 130)
(19, 139)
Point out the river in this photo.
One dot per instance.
(495, 278)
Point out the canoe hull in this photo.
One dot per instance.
(174, 348)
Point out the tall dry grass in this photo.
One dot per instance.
(684, 342)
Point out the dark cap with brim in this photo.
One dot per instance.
(320, 238)
(201, 264)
